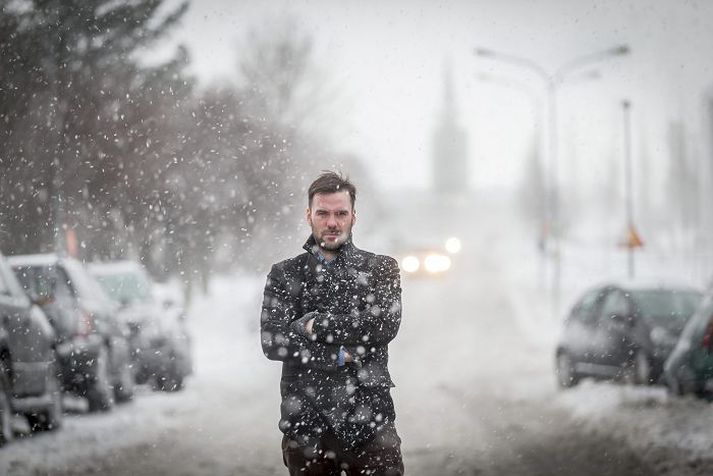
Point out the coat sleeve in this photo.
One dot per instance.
(281, 343)
(378, 323)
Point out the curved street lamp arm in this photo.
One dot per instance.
(515, 60)
(581, 61)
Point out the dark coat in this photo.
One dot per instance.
(356, 302)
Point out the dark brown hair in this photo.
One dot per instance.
(331, 182)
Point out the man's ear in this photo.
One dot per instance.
(308, 216)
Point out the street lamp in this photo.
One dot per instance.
(628, 190)
(552, 81)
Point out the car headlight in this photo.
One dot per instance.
(453, 245)
(437, 263)
(410, 264)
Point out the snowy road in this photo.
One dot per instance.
(475, 395)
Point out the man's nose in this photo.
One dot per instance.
(331, 221)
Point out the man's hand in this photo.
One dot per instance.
(304, 325)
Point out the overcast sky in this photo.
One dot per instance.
(388, 58)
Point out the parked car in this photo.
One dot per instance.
(160, 342)
(92, 344)
(623, 332)
(29, 380)
(689, 368)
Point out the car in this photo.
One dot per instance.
(427, 259)
(92, 344)
(29, 378)
(623, 332)
(689, 368)
(160, 342)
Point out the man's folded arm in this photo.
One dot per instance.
(279, 340)
(377, 324)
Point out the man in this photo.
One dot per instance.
(329, 315)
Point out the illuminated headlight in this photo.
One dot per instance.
(453, 245)
(410, 264)
(435, 263)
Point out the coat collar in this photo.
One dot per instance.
(347, 250)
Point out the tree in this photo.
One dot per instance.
(285, 100)
(77, 58)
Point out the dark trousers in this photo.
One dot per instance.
(325, 457)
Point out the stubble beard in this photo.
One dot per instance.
(333, 245)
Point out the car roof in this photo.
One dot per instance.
(115, 267)
(44, 259)
(648, 284)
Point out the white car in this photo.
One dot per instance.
(160, 343)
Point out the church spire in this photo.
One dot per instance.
(450, 168)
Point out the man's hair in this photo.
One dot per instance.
(331, 182)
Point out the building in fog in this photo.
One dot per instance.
(450, 160)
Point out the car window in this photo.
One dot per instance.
(586, 310)
(126, 287)
(615, 304)
(36, 280)
(667, 308)
(82, 283)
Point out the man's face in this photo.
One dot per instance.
(331, 217)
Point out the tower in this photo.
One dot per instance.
(450, 165)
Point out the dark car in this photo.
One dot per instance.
(623, 332)
(29, 381)
(689, 368)
(160, 342)
(92, 346)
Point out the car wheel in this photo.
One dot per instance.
(99, 390)
(6, 414)
(51, 418)
(171, 380)
(566, 376)
(124, 388)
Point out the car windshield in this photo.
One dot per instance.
(126, 287)
(85, 286)
(669, 309)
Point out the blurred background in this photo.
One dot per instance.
(556, 144)
(184, 133)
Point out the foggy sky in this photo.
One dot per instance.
(387, 59)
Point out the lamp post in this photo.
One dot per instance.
(628, 192)
(552, 80)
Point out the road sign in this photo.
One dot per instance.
(633, 239)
